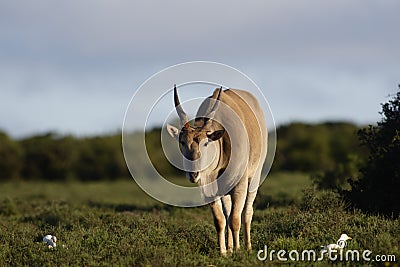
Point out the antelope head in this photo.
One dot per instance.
(196, 142)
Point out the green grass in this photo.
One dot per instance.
(282, 189)
(119, 192)
(115, 223)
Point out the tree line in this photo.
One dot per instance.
(301, 147)
(53, 157)
(362, 164)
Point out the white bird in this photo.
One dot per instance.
(339, 246)
(50, 240)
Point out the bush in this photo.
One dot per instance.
(10, 158)
(315, 148)
(338, 179)
(49, 157)
(378, 188)
(100, 158)
(321, 201)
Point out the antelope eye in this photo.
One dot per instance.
(206, 144)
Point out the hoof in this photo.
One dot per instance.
(223, 253)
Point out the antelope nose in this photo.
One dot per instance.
(194, 174)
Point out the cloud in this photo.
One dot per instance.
(153, 30)
(319, 56)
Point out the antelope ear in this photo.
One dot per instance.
(173, 131)
(215, 135)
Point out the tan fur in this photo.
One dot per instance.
(237, 206)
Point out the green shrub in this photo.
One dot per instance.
(321, 201)
(11, 156)
(378, 187)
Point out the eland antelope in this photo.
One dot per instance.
(209, 136)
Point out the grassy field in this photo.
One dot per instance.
(115, 223)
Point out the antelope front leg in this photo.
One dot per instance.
(238, 196)
(226, 201)
(220, 223)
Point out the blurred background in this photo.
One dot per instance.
(69, 69)
(72, 67)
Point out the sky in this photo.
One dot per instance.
(72, 66)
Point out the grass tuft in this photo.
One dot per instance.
(130, 229)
